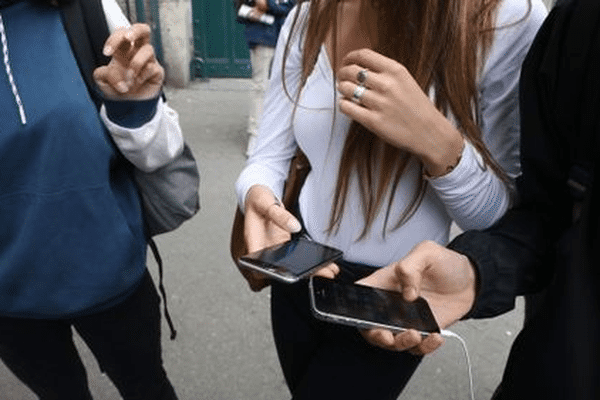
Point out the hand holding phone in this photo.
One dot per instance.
(292, 260)
(366, 307)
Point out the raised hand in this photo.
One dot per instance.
(381, 94)
(133, 72)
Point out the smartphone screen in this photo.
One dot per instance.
(291, 260)
(367, 307)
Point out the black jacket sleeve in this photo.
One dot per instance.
(516, 255)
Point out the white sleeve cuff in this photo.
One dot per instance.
(472, 193)
(152, 145)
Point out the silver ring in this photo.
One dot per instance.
(359, 91)
(362, 75)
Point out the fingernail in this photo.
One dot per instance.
(122, 87)
(107, 51)
(294, 226)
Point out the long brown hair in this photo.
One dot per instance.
(442, 44)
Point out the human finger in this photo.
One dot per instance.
(111, 80)
(329, 271)
(359, 94)
(261, 232)
(369, 59)
(152, 73)
(428, 345)
(256, 280)
(263, 205)
(277, 213)
(411, 269)
(409, 276)
(367, 114)
(359, 75)
(406, 340)
(121, 42)
(139, 34)
(382, 278)
(141, 57)
(379, 337)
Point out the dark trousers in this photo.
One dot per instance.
(124, 339)
(329, 361)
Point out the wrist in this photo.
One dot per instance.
(444, 156)
(131, 113)
(472, 285)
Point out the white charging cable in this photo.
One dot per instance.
(451, 334)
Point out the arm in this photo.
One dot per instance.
(513, 257)
(142, 125)
(474, 196)
(147, 132)
(396, 109)
(276, 145)
(516, 256)
(260, 185)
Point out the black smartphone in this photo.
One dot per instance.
(292, 260)
(367, 307)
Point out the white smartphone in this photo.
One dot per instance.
(292, 260)
(366, 307)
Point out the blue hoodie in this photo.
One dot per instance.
(72, 240)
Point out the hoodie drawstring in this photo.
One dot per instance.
(11, 79)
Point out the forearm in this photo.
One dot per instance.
(512, 258)
(276, 144)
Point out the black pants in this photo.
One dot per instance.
(124, 339)
(328, 361)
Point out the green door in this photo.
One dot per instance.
(220, 49)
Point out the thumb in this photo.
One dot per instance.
(409, 274)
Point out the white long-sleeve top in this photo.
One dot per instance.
(471, 194)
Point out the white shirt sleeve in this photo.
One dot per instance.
(152, 145)
(157, 142)
(114, 15)
(473, 195)
(276, 145)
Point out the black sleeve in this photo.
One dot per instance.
(87, 30)
(515, 256)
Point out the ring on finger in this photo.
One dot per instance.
(362, 75)
(359, 91)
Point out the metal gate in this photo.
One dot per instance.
(220, 49)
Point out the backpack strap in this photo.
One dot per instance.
(87, 30)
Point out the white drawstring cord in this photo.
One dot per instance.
(451, 334)
(11, 79)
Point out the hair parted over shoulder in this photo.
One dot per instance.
(442, 43)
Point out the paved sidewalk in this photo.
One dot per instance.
(224, 348)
